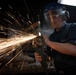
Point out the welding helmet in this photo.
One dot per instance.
(55, 9)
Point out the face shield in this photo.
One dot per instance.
(47, 29)
(55, 10)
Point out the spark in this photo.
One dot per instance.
(39, 33)
(15, 41)
(15, 26)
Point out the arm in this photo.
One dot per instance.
(65, 48)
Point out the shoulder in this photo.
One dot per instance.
(72, 29)
(71, 25)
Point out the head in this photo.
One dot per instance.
(56, 14)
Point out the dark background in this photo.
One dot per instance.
(32, 5)
(33, 8)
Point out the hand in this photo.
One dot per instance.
(46, 40)
(37, 57)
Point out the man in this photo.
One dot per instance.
(62, 42)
